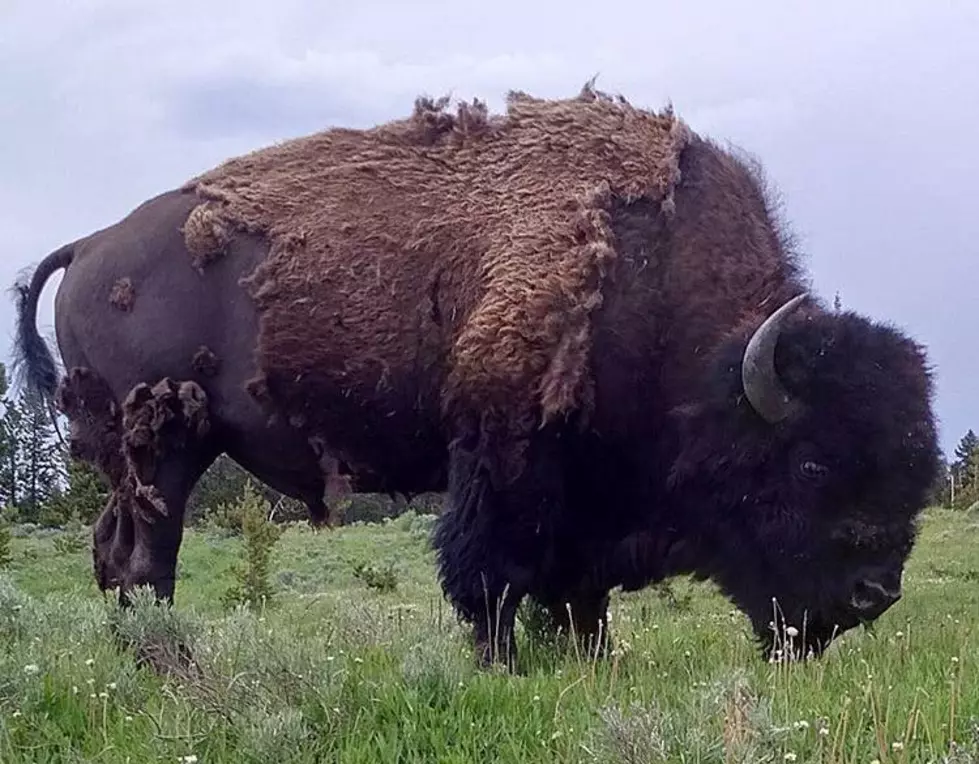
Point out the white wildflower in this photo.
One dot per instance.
(31, 668)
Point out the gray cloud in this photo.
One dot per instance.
(863, 114)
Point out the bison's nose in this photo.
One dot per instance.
(872, 597)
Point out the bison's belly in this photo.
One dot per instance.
(375, 419)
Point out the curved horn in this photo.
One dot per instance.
(762, 387)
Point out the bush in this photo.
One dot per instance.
(382, 579)
(254, 587)
(72, 539)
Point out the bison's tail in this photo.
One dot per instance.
(34, 364)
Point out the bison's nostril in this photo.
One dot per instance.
(871, 598)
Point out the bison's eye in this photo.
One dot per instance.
(813, 470)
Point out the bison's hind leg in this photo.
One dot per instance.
(95, 421)
(167, 445)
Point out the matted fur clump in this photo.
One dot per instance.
(498, 225)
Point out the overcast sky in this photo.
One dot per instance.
(864, 113)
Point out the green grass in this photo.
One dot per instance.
(336, 671)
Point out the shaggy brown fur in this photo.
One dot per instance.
(95, 421)
(207, 237)
(502, 222)
(205, 362)
(122, 294)
(158, 418)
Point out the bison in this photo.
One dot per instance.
(584, 322)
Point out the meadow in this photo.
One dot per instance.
(355, 664)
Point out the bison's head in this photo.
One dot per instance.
(805, 461)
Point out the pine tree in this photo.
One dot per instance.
(966, 448)
(965, 471)
(39, 462)
(9, 424)
(964, 468)
(85, 497)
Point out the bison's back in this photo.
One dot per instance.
(441, 261)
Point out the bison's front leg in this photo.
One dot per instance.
(494, 535)
(583, 615)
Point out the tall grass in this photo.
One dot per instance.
(344, 671)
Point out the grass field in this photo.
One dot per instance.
(337, 671)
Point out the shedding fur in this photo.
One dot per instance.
(207, 237)
(156, 419)
(122, 294)
(502, 222)
(95, 434)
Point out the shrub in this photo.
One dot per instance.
(382, 579)
(254, 587)
(72, 539)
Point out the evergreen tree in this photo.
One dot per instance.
(965, 471)
(40, 461)
(86, 495)
(964, 457)
(9, 425)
